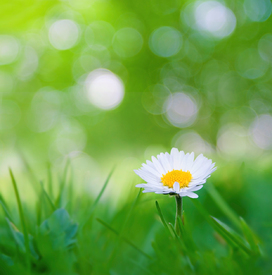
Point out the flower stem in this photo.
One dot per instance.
(178, 213)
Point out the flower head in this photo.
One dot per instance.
(175, 173)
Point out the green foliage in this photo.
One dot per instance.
(130, 240)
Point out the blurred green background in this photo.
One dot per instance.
(106, 83)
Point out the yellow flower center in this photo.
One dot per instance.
(183, 178)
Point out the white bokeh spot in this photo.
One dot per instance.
(105, 90)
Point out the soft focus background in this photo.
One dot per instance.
(113, 82)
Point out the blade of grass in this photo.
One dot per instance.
(22, 218)
(124, 239)
(49, 179)
(231, 239)
(39, 208)
(162, 217)
(221, 203)
(91, 210)
(71, 190)
(6, 210)
(62, 184)
(119, 238)
(48, 197)
(183, 249)
(32, 177)
(250, 236)
(141, 267)
(229, 236)
(186, 236)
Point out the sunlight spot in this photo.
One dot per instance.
(165, 41)
(63, 34)
(105, 90)
(181, 110)
(215, 18)
(9, 49)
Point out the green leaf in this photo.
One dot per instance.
(250, 236)
(60, 230)
(20, 240)
(6, 259)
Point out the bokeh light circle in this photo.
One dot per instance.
(259, 10)
(153, 99)
(261, 131)
(9, 49)
(45, 110)
(127, 42)
(215, 18)
(63, 34)
(165, 41)
(181, 110)
(105, 90)
(265, 47)
(232, 140)
(191, 141)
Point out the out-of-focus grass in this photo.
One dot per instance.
(80, 234)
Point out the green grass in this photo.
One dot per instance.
(78, 234)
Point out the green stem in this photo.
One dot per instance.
(178, 213)
(22, 220)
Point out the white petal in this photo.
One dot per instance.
(183, 162)
(158, 166)
(151, 170)
(195, 188)
(176, 158)
(146, 176)
(197, 163)
(191, 195)
(189, 162)
(203, 169)
(170, 161)
(164, 162)
(176, 187)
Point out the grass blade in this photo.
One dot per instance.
(250, 236)
(48, 197)
(123, 238)
(91, 210)
(102, 190)
(22, 218)
(32, 177)
(5, 209)
(186, 236)
(230, 236)
(162, 217)
(221, 203)
(49, 179)
(62, 184)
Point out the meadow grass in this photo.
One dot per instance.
(70, 233)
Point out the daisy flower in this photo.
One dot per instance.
(176, 173)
